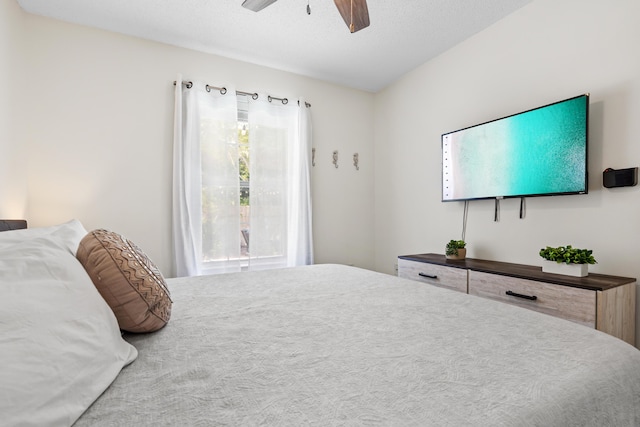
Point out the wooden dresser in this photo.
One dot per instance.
(607, 303)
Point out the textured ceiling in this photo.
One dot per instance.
(403, 33)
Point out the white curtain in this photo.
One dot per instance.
(206, 183)
(187, 233)
(206, 213)
(301, 239)
(280, 190)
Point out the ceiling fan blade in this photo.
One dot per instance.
(354, 12)
(257, 5)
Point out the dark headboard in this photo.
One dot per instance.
(12, 224)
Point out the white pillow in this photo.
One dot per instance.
(60, 345)
(71, 233)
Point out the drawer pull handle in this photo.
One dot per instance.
(529, 297)
(428, 276)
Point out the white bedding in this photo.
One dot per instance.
(60, 345)
(333, 345)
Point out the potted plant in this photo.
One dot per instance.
(567, 260)
(456, 249)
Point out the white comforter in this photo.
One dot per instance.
(333, 345)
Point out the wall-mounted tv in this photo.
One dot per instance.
(539, 152)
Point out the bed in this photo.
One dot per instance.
(335, 345)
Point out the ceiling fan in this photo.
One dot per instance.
(354, 12)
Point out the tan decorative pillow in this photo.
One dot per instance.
(125, 277)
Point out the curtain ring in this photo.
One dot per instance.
(285, 101)
(254, 96)
(223, 91)
(189, 85)
(269, 98)
(208, 88)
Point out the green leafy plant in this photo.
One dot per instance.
(453, 246)
(568, 255)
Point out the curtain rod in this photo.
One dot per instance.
(254, 96)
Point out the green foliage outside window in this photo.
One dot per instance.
(243, 165)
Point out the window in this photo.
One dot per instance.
(244, 177)
(245, 207)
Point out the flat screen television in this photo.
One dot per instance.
(539, 152)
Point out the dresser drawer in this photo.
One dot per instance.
(575, 304)
(439, 275)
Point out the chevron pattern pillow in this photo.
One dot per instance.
(127, 279)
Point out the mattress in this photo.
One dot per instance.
(335, 345)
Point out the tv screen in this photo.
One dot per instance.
(539, 152)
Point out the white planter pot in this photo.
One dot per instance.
(577, 270)
(462, 254)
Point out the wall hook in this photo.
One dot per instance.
(355, 161)
(335, 158)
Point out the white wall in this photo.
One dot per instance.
(547, 51)
(13, 182)
(100, 127)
